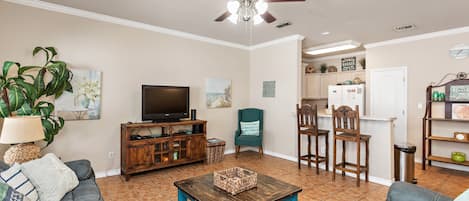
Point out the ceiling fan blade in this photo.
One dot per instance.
(268, 17)
(273, 1)
(223, 16)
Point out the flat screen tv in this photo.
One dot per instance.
(164, 103)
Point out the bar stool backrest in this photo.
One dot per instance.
(307, 117)
(346, 120)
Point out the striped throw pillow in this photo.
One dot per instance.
(7, 193)
(15, 178)
(250, 128)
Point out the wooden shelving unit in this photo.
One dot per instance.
(427, 135)
(168, 149)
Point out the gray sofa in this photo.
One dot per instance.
(87, 189)
(401, 191)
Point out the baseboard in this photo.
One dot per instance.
(446, 165)
(377, 180)
(108, 173)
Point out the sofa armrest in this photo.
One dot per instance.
(237, 133)
(401, 191)
(82, 169)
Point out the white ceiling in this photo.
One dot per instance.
(365, 21)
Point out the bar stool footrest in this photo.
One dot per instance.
(349, 166)
(312, 158)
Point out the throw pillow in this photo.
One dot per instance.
(15, 178)
(52, 178)
(7, 193)
(250, 128)
(464, 196)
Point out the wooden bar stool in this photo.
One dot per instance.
(308, 125)
(346, 125)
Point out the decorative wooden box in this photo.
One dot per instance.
(235, 180)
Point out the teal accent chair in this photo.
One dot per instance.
(249, 115)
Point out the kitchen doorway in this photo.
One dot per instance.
(388, 98)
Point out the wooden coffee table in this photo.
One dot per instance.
(201, 188)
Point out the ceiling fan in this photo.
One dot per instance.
(245, 10)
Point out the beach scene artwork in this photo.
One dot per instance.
(85, 101)
(218, 93)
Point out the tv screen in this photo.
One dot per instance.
(164, 103)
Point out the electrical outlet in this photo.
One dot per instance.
(110, 154)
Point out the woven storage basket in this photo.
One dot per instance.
(215, 150)
(235, 180)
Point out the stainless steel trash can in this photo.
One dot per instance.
(404, 163)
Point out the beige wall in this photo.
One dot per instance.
(128, 58)
(427, 61)
(280, 63)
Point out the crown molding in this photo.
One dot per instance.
(359, 53)
(124, 22)
(418, 37)
(277, 41)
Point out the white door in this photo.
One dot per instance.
(388, 98)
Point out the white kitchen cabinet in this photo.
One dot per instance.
(312, 88)
(326, 80)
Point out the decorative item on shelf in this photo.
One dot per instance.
(438, 96)
(460, 111)
(235, 180)
(349, 63)
(459, 93)
(347, 82)
(459, 157)
(310, 69)
(462, 136)
(323, 68)
(26, 90)
(461, 75)
(331, 69)
(362, 62)
(22, 131)
(357, 80)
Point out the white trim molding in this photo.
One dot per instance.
(124, 22)
(448, 32)
(139, 25)
(277, 41)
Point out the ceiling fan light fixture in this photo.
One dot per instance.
(261, 7)
(233, 18)
(233, 6)
(333, 47)
(257, 19)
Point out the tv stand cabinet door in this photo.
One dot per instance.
(141, 156)
(198, 144)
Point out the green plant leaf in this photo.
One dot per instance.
(16, 98)
(25, 110)
(68, 87)
(45, 108)
(39, 82)
(38, 49)
(23, 69)
(29, 89)
(52, 51)
(4, 112)
(6, 67)
(48, 130)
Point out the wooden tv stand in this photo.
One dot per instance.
(167, 150)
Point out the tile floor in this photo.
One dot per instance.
(158, 185)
